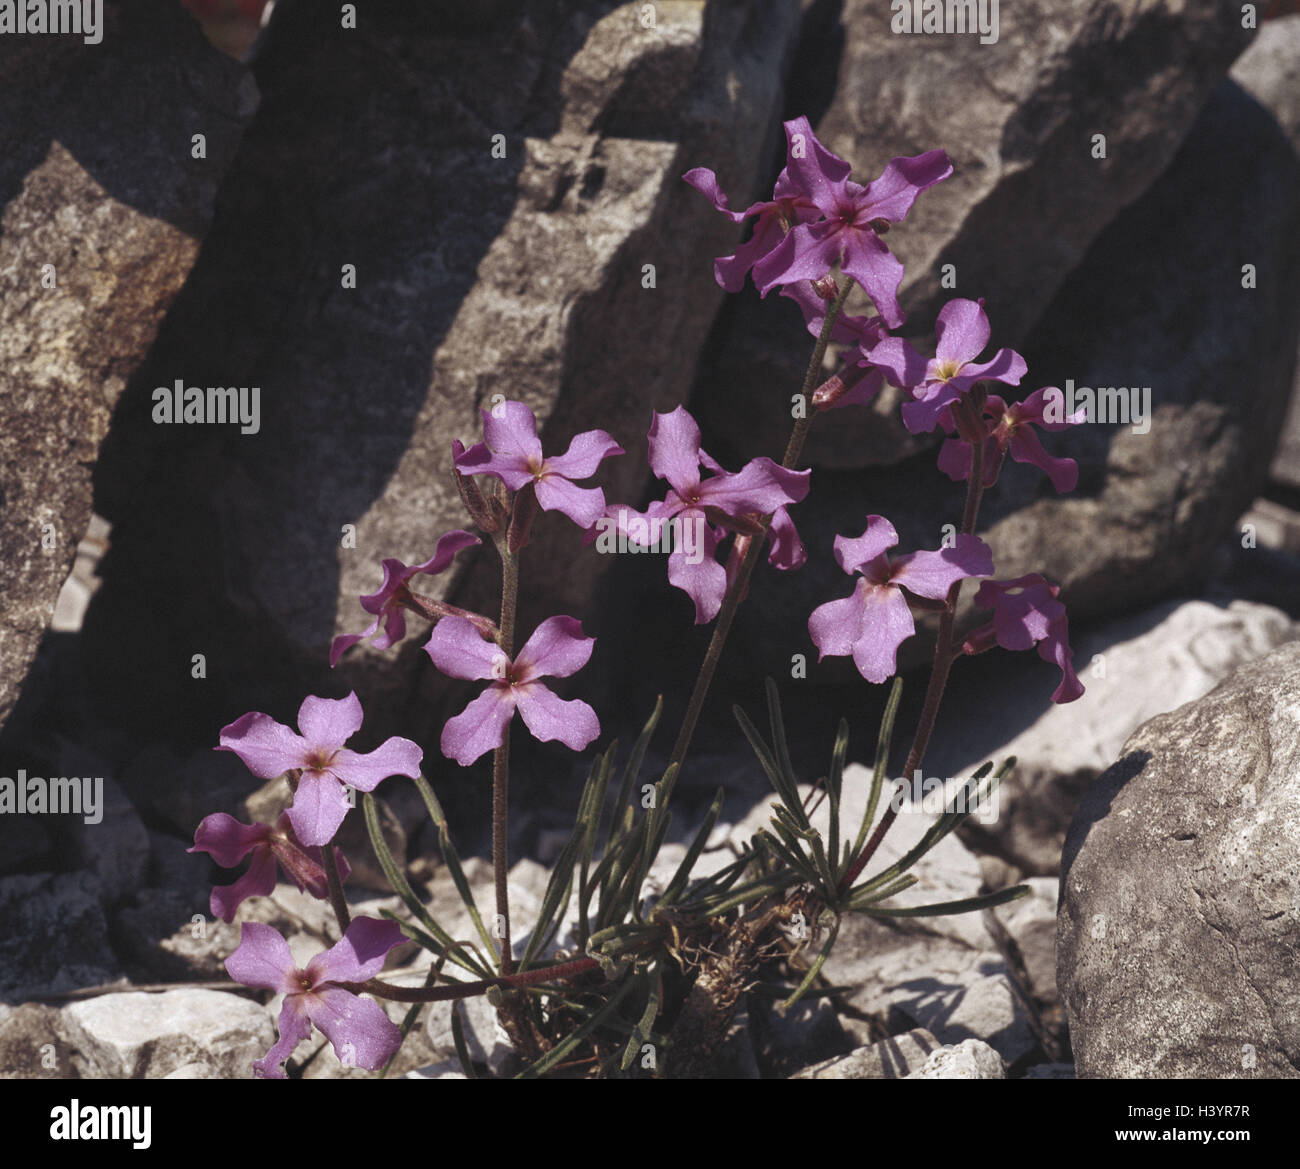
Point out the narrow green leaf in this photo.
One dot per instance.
(400, 885)
(678, 883)
(883, 742)
(814, 970)
(452, 860)
(458, 1038)
(945, 908)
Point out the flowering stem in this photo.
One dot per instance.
(943, 659)
(740, 584)
(501, 760)
(335, 882)
(463, 990)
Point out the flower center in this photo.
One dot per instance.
(320, 758)
(947, 370)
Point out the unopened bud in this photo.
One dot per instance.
(521, 521)
(470, 495)
(825, 287)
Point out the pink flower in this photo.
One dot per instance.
(1026, 612)
(775, 217)
(1009, 430)
(387, 604)
(555, 650)
(724, 500)
(361, 1033)
(963, 334)
(228, 841)
(320, 802)
(854, 219)
(513, 453)
(874, 620)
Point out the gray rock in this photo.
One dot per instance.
(1176, 952)
(100, 198)
(31, 1045)
(149, 1036)
(53, 935)
(891, 1059)
(169, 936)
(968, 1060)
(520, 274)
(1133, 667)
(1018, 118)
(1270, 72)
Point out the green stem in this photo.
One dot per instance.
(337, 898)
(464, 990)
(501, 761)
(739, 585)
(943, 659)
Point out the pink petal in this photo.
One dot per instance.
(787, 552)
(319, 807)
(480, 727)
(836, 626)
(584, 456)
(878, 270)
(1006, 366)
(904, 366)
(359, 954)
(511, 468)
(705, 581)
(706, 182)
(808, 252)
(226, 840)
(460, 651)
(295, 1026)
(891, 196)
(760, 487)
(361, 1033)
(330, 722)
(548, 717)
(556, 649)
(932, 574)
(674, 449)
(886, 625)
(871, 545)
(262, 958)
(510, 428)
(258, 881)
(812, 169)
(268, 748)
(962, 331)
(583, 505)
(395, 756)
(1025, 447)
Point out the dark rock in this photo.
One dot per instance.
(101, 210)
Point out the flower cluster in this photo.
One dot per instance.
(819, 235)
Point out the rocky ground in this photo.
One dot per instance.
(1154, 819)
